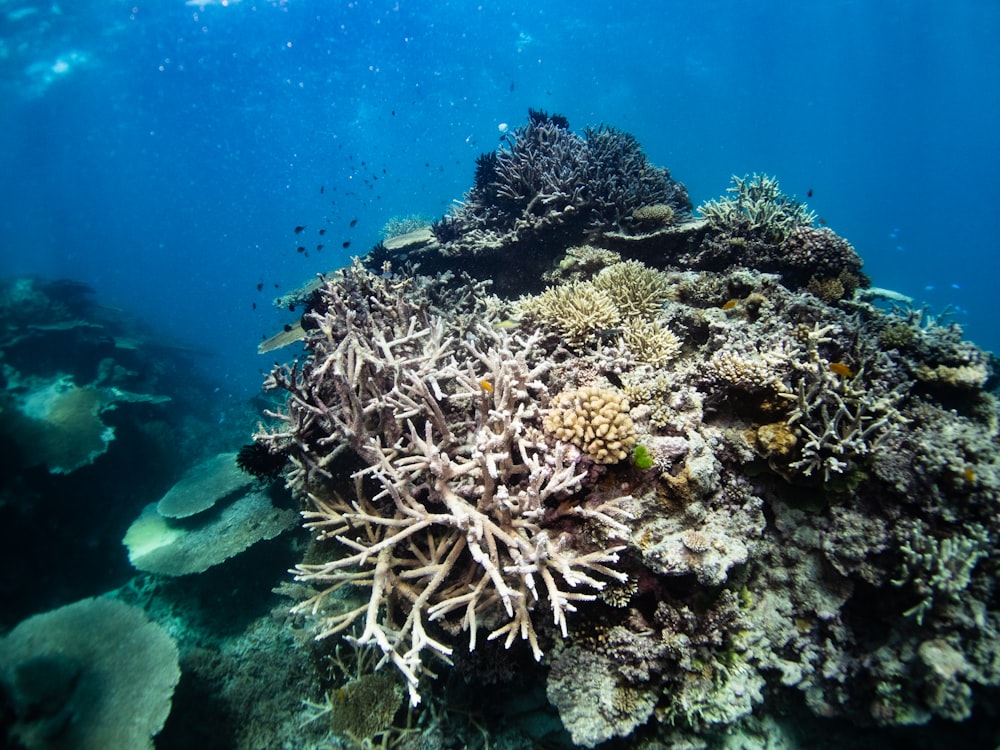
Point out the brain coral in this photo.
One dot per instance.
(594, 420)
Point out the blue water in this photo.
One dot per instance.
(164, 152)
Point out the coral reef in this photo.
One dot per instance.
(578, 312)
(544, 190)
(460, 533)
(809, 527)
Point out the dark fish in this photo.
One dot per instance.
(322, 190)
(318, 248)
(288, 328)
(254, 305)
(260, 287)
(511, 85)
(809, 193)
(299, 230)
(346, 245)
(822, 221)
(393, 113)
(291, 307)
(275, 286)
(322, 231)
(354, 223)
(300, 249)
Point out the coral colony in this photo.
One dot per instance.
(683, 460)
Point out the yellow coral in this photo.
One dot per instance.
(593, 419)
(651, 343)
(577, 312)
(636, 290)
(964, 376)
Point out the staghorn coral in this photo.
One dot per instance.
(545, 189)
(593, 419)
(840, 418)
(758, 208)
(939, 569)
(651, 343)
(459, 534)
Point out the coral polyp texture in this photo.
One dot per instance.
(596, 420)
(809, 528)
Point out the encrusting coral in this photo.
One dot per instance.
(813, 466)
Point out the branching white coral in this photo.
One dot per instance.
(462, 533)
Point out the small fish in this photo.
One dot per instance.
(300, 230)
(260, 287)
(969, 474)
(288, 328)
(511, 85)
(322, 190)
(354, 223)
(300, 249)
(486, 386)
(730, 304)
(505, 324)
(809, 193)
(318, 248)
(345, 245)
(291, 307)
(839, 368)
(254, 305)
(822, 221)
(322, 231)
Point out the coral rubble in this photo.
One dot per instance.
(813, 522)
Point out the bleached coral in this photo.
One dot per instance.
(462, 533)
(595, 420)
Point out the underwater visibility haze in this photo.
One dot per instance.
(605, 374)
